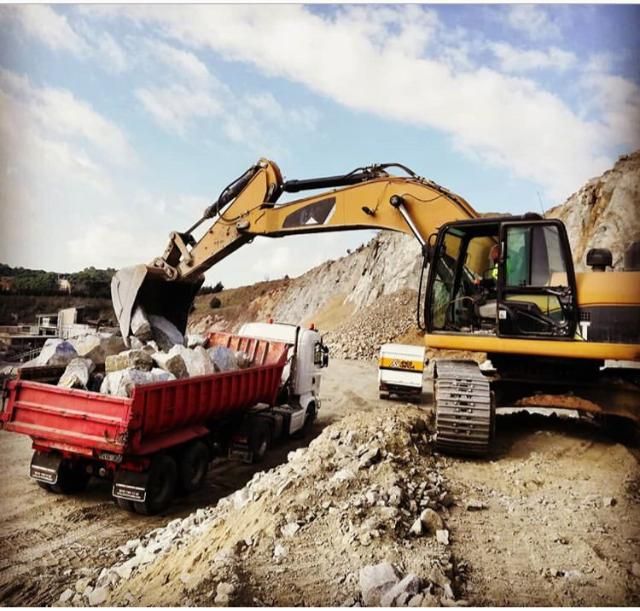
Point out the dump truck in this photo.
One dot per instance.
(160, 441)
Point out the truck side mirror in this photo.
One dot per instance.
(325, 356)
(321, 355)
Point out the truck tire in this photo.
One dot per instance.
(161, 486)
(309, 419)
(259, 439)
(192, 466)
(72, 478)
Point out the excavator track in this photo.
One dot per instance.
(465, 414)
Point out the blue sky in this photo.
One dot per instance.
(119, 124)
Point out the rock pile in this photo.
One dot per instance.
(158, 353)
(361, 336)
(351, 497)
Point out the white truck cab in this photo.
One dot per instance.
(401, 370)
(301, 377)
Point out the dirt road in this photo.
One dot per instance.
(561, 524)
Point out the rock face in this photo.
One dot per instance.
(604, 213)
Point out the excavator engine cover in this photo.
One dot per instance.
(149, 287)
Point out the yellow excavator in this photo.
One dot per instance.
(504, 286)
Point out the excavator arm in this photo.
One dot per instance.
(366, 198)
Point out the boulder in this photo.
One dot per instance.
(408, 586)
(98, 346)
(165, 333)
(431, 521)
(223, 359)
(56, 353)
(194, 340)
(162, 376)
(243, 359)
(173, 363)
(375, 580)
(140, 325)
(122, 382)
(77, 373)
(137, 359)
(197, 360)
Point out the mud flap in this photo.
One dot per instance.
(130, 485)
(44, 467)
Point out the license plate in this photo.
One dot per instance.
(129, 493)
(44, 474)
(240, 454)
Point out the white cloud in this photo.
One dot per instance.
(512, 59)
(532, 20)
(617, 101)
(58, 111)
(46, 25)
(186, 91)
(113, 56)
(183, 64)
(353, 57)
(176, 106)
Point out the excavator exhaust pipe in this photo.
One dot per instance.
(149, 287)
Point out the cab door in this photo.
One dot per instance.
(536, 281)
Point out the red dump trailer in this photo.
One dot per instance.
(156, 442)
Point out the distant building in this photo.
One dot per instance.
(7, 283)
(64, 285)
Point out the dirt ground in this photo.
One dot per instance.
(560, 523)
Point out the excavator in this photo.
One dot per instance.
(501, 285)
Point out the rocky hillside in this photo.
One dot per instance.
(369, 296)
(605, 212)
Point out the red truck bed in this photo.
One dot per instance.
(157, 415)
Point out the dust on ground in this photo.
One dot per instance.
(551, 519)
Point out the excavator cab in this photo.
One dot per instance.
(508, 277)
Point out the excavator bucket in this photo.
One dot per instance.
(149, 287)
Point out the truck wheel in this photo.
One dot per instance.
(161, 486)
(193, 466)
(259, 439)
(72, 478)
(309, 419)
(383, 395)
(45, 486)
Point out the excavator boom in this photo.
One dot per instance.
(366, 198)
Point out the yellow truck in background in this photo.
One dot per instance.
(401, 370)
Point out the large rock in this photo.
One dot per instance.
(98, 346)
(165, 333)
(173, 363)
(197, 361)
(431, 521)
(375, 580)
(56, 353)
(407, 586)
(122, 382)
(77, 373)
(140, 325)
(193, 340)
(137, 359)
(223, 359)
